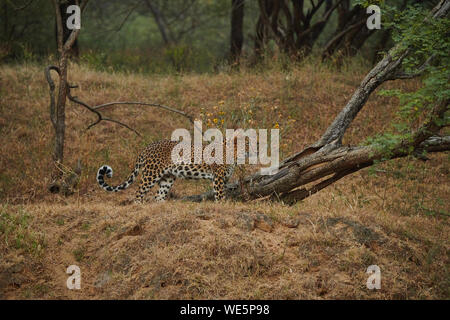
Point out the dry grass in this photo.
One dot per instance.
(396, 218)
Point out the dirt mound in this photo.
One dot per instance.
(206, 251)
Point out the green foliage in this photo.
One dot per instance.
(385, 142)
(414, 30)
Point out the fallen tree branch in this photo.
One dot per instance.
(339, 163)
(302, 193)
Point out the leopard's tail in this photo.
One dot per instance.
(107, 170)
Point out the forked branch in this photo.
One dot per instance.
(95, 109)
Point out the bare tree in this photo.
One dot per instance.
(327, 160)
(351, 32)
(161, 22)
(177, 19)
(292, 26)
(237, 35)
(58, 105)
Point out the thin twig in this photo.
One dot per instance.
(125, 19)
(145, 104)
(99, 115)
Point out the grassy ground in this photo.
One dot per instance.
(394, 215)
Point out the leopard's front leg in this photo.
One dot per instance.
(149, 178)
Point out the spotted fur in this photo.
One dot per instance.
(155, 163)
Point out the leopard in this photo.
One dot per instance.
(155, 163)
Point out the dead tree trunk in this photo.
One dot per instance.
(327, 161)
(58, 108)
(237, 35)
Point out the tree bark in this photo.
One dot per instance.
(237, 35)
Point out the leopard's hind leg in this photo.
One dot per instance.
(165, 183)
(149, 178)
